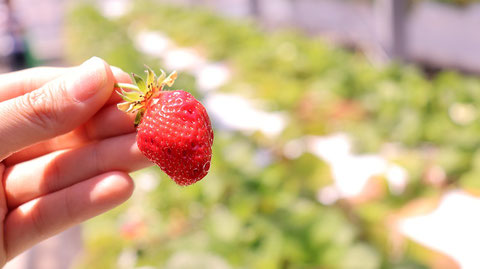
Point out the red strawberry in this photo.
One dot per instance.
(174, 130)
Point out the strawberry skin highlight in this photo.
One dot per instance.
(174, 130)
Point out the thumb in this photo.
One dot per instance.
(56, 108)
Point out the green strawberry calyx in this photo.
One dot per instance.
(137, 99)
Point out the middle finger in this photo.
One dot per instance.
(55, 171)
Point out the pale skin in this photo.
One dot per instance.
(65, 151)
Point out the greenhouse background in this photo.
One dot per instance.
(346, 132)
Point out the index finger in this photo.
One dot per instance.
(20, 82)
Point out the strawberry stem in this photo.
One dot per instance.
(127, 86)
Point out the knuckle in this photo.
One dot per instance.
(37, 219)
(86, 132)
(69, 205)
(40, 108)
(97, 159)
(53, 176)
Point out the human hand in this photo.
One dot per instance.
(65, 151)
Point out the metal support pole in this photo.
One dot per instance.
(253, 7)
(391, 27)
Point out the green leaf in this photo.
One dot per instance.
(138, 118)
(171, 79)
(124, 106)
(130, 96)
(162, 77)
(140, 83)
(130, 106)
(127, 86)
(150, 78)
(136, 107)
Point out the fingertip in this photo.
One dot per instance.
(104, 71)
(112, 189)
(98, 66)
(94, 79)
(120, 75)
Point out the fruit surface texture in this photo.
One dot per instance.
(173, 128)
(176, 134)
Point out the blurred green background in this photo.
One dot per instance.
(261, 205)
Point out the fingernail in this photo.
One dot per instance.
(116, 69)
(89, 79)
(120, 75)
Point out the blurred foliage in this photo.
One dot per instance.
(250, 214)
